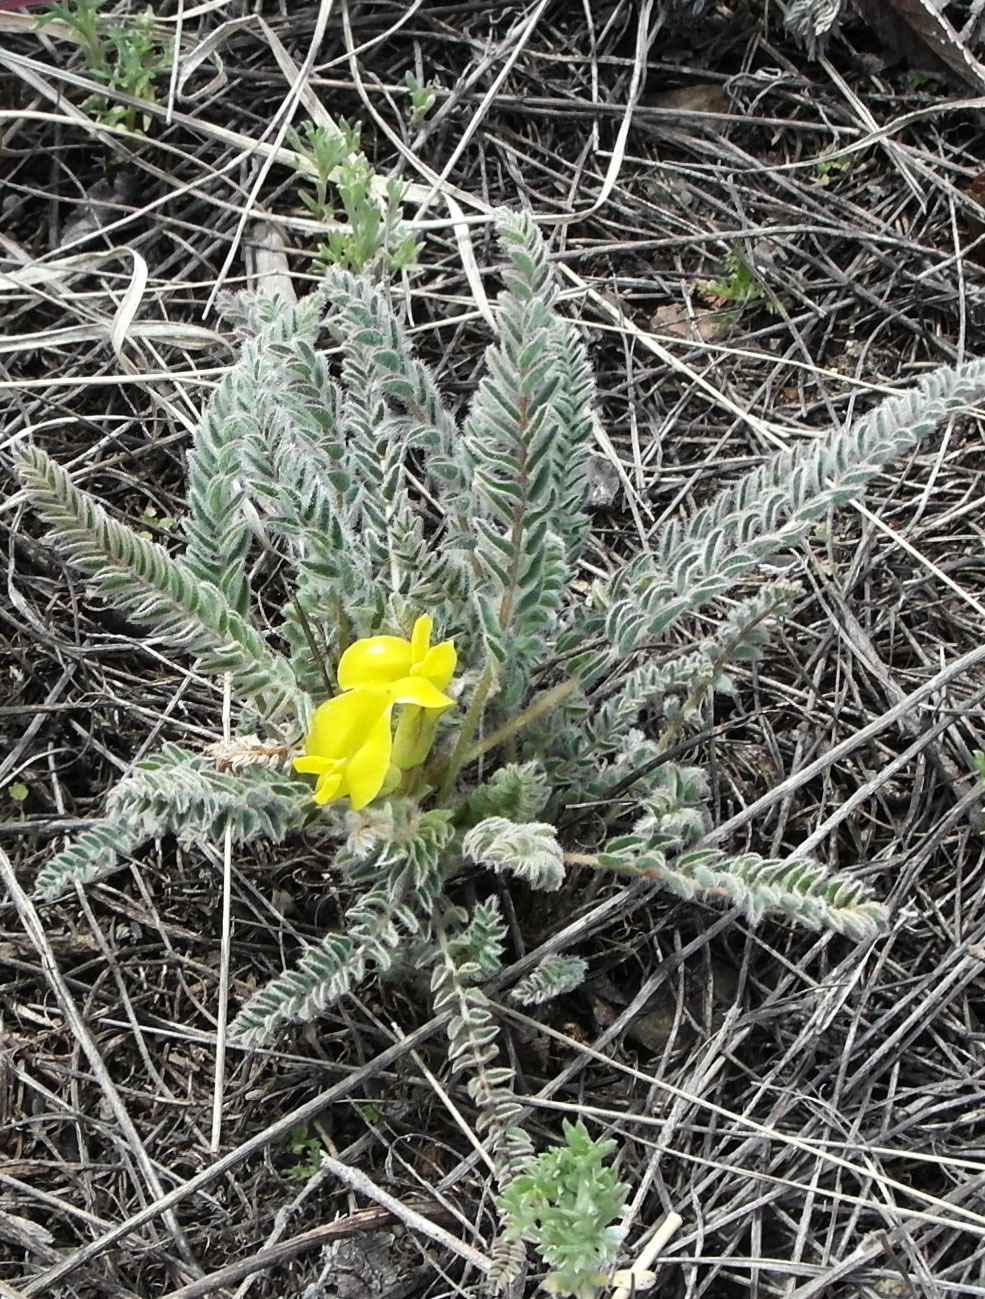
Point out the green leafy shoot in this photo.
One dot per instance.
(740, 284)
(828, 164)
(309, 1148)
(422, 97)
(567, 1202)
(82, 17)
(129, 58)
(341, 190)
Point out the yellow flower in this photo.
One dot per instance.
(384, 660)
(391, 660)
(350, 747)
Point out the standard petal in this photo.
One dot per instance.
(366, 770)
(438, 664)
(339, 724)
(374, 661)
(417, 690)
(420, 638)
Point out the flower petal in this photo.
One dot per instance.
(420, 638)
(374, 661)
(339, 724)
(417, 690)
(438, 664)
(366, 770)
(328, 787)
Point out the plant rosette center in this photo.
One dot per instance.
(352, 747)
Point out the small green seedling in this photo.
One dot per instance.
(422, 97)
(82, 16)
(342, 180)
(829, 164)
(150, 516)
(740, 284)
(566, 1203)
(309, 1148)
(924, 82)
(128, 59)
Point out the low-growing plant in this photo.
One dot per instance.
(365, 230)
(124, 57)
(739, 285)
(308, 1148)
(436, 694)
(566, 1202)
(422, 97)
(829, 162)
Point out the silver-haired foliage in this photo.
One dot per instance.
(346, 467)
(530, 850)
(553, 976)
(460, 962)
(811, 22)
(160, 591)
